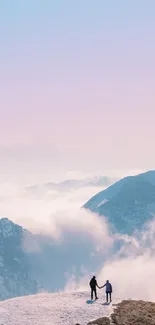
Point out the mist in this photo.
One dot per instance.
(131, 269)
(66, 245)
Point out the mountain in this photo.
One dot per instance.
(30, 262)
(128, 204)
(15, 279)
(52, 309)
(69, 184)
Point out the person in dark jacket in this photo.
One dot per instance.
(108, 290)
(93, 284)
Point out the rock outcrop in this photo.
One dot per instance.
(130, 312)
(100, 321)
(134, 312)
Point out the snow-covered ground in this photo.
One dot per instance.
(53, 309)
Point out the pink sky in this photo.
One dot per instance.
(77, 86)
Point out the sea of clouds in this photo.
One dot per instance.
(81, 243)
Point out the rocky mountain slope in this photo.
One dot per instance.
(15, 279)
(128, 204)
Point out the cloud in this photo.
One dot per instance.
(131, 270)
(42, 206)
(75, 239)
(74, 242)
(132, 277)
(81, 221)
(54, 213)
(82, 243)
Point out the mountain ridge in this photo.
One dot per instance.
(73, 183)
(128, 203)
(15, 279)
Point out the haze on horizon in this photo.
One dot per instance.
(77, 88)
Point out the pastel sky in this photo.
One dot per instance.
(77, 87)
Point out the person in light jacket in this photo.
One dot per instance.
(108, 287)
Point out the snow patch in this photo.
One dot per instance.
(55, 309)
(102, 202)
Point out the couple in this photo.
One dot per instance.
(93, 284)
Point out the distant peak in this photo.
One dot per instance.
(7, 227)
(5, 220)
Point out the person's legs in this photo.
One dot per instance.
(108, 295)
(95, 292)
